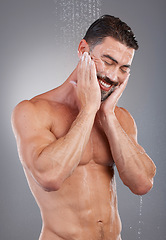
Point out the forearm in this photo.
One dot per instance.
(59, 159)
(135, 168)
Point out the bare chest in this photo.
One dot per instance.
(97, 148)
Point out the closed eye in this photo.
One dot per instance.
(107, 63)
(125, 69)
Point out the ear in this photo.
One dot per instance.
(83, 47)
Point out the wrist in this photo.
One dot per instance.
(107, 119)
(106, 115)
(89, 110)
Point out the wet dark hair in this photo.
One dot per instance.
(110, 26)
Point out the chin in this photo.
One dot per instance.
(105, 95)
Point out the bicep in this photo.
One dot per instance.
(32, 132)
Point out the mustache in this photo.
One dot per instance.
(107, 79)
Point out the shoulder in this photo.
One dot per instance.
(37, 112)
(36, 106)
(21, 111)
(126, 121)
(123, 114)
(27, 108)
(23, 115)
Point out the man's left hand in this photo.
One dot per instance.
(108, 106)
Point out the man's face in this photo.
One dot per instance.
(113, 60)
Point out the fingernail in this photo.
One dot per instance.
(86, 58)
(82, 57)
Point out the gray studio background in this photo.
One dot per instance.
(37, 55)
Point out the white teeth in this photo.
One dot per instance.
(104, 84)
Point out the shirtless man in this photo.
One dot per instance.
(70, 138)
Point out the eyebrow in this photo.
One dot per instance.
(111, 58)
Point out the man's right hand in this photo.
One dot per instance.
(88, 89)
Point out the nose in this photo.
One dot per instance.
(113, 74)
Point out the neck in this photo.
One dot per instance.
(72, 77)
(67, 93)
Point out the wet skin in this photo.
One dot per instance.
(85, 207)
(68, 147)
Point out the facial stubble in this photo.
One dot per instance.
(105, 95)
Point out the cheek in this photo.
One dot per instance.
(100, 67)
(123, 77)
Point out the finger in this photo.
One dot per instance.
(124, 84)
(87, 68)
(93, 71)
(122, 87)
(80, 72)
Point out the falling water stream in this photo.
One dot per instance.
(73, 17)
(140, 222)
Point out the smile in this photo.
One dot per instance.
(103, 85)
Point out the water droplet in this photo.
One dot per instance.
(72, 19)
(140, 222)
